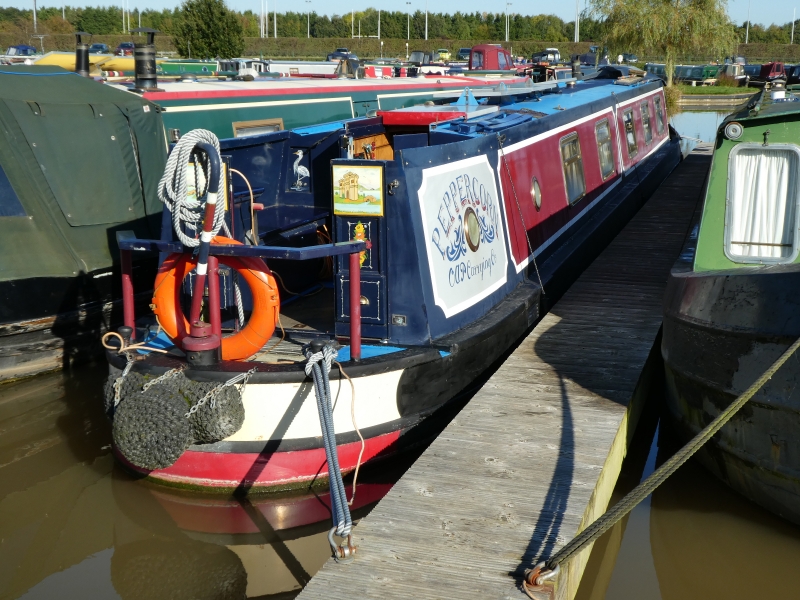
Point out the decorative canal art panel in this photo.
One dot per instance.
(465, 240)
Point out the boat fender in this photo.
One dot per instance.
(166, 303)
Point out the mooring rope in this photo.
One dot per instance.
(319, 367)
(545, 570)
(173, 187)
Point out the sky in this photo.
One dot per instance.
(765, 12)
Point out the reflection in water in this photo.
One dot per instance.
(73, 524)
(701, 125)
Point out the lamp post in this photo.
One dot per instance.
(406, 50)
(352, 24)
(381, 48)
(794, 18)
(275, 19)
(747, 34)
(577, 22)
(408, 19)
(379, 24)
(308, 18)
(426, 19)
(507, 22)
(35, 30)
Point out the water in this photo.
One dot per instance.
(697, 125)
(73, 524)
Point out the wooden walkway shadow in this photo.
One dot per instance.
(534, 457)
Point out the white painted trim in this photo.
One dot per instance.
(232, 105)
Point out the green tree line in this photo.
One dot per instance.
(394, 24)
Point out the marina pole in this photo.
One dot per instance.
(794, 18)
(34, 17)
(747, 33)
(308, 17)
(379, 27)
(352, 24)
(577, 21)
(426, 19)
(275, 20)
(408, 19)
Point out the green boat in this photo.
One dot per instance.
(733, 306)
(78, 161)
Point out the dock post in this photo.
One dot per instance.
(128, 315)
(355, 306)
(213, 296)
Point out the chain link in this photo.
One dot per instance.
(242, 377)
(164, 377)
(118, 382)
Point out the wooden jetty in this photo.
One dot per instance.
(534, 457)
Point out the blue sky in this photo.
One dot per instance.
(764, 12)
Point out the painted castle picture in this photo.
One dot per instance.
(358, 190)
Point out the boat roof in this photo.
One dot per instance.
(762, 106)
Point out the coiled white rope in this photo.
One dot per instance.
(173, 187)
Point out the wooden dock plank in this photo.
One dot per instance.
(534, 456)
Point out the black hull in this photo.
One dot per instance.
(722, 330)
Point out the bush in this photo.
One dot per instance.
(209, 29)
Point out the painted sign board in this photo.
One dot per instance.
(464, 235)
(358, 190)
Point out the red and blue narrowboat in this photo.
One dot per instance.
(409, 251)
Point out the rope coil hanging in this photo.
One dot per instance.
(535, 578)
(172, 189)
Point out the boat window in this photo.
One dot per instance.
(477, 60)
(604, 149)
(573, 167)
(630, 133)
(257, 127)
(501, 61)
(659, 115)
(646, 127)
(761, 211)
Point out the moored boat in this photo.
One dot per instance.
(731, 306)
(437, 234)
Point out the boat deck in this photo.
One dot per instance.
(534, 457)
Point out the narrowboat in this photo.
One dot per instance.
(78, 160)
(731, 307)
(425, 241)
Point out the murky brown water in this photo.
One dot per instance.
(73, 524)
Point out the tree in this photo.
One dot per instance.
(672, 28)
(208, 29)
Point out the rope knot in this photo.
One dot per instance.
(326, 356)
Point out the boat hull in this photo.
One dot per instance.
(722, 330)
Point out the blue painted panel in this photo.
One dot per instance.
(368, 351)
(10, 206)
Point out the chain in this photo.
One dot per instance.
(242, 377)
(118, 382)
(168, 375)
(519, 209)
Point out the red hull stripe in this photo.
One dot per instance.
(455, 82)
(230, 470)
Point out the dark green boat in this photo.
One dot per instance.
(78, 161)
(733, 306)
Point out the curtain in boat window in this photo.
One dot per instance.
(646, 127)
(762, 202)
(573, 167)
(604, 149)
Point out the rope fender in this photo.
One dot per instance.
(536, 578)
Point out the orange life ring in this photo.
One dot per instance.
(266, 301)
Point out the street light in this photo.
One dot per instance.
(507, 5)
(577, 22)
(747, 35)
(406, 50)
(408, 19)
(426, 19)
(308, 15)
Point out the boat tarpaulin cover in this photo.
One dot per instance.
(82, 158)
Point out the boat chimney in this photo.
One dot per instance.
(144, 58)
(82, 54)
(576, 66)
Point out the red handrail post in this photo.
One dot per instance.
(213, 296)
(355, 306)
(128, 315)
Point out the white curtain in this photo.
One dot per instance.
(762, 202)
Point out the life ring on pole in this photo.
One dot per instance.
(263, 288)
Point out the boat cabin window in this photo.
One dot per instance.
(258, 127)
(573, 167)
(604, 149)
(501, 61)
(630, 133)
(659, 115)
(761, 211)
(477, 60)
(646, 127)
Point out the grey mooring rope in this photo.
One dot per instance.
(318, 367)
(645, 488)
